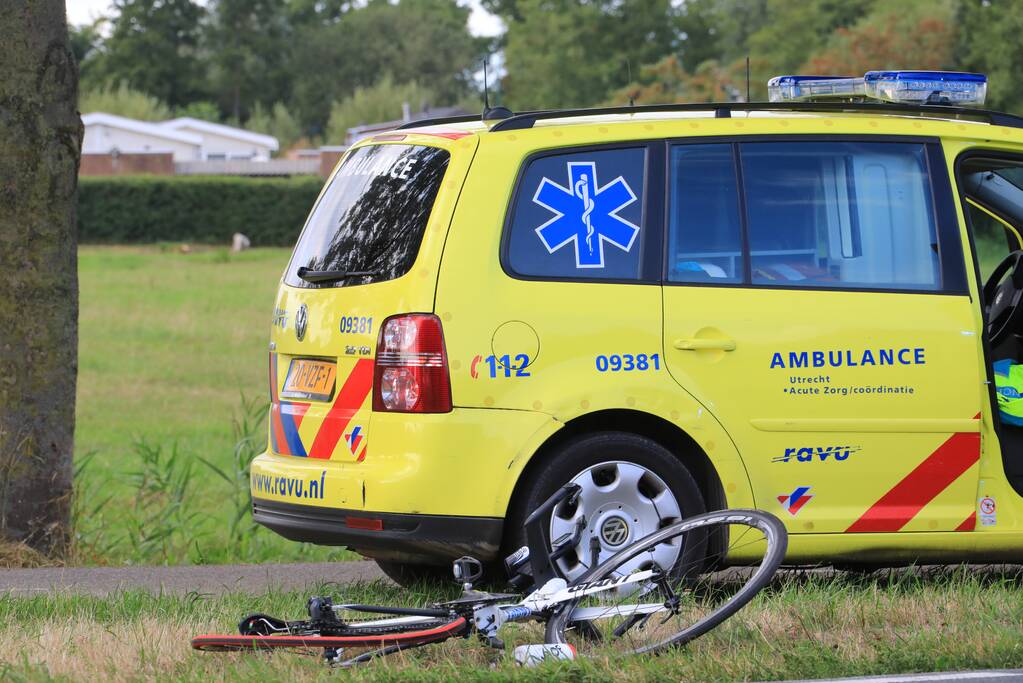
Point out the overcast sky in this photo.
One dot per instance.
(481, 22)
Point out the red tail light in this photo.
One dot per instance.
(411, 371)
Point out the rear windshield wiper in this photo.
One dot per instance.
(331, 275)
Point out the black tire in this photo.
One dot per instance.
(576, 456)
(704, 526)
(408, 575)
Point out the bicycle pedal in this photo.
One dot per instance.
(467, 570)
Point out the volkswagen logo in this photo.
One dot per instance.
(614, 531)
(301, 321)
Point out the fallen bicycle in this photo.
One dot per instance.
(654, 594)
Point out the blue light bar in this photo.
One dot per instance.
(926, 87)
(806, 88)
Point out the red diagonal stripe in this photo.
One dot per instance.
(347, 403)
(918, 488)
(968, 524)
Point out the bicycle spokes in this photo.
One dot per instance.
(679, 602)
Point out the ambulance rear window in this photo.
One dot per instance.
(371, 218)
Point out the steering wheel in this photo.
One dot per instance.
(1002, 297)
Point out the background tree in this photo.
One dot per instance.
(197, 109)
(305, 12)
(40, 146)
(85, 40)
(572, 53)
(276, 121)
(790, 32)
(312, 55)
(895, 35)
(989, 41)
(698, 32)
(123, 100)
(248, 41)
(154, 47)
(380, 102)
(427, 41)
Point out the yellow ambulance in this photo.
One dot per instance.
(790, 305)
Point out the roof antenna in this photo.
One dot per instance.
(497, 112)
(486, 86)
(628, 68)
(747, 79)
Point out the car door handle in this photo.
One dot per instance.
(705, 344)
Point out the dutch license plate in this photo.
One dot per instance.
(310, 379)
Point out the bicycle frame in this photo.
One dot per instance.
(489, 618)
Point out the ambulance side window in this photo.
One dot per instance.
(579, 216)
(705, 232)
(841, 214)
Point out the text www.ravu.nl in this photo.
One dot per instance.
(293, 487)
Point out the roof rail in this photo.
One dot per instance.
(462, 118)
(725, 109)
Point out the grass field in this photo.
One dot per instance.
(806, 626)
(169, 344)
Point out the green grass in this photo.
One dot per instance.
(802, 626)
(168, 341)
(169, 344)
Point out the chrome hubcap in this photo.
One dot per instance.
(621, 501)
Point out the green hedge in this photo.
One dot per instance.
(202, 209)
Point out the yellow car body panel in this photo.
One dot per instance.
(895, 457)
(411, 461)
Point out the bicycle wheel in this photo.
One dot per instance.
(383, 633)
(679, 601)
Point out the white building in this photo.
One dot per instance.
(224, 143)
(187, 139)
(110, 134)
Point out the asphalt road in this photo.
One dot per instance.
(248, 578)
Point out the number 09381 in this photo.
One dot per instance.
(627, 362)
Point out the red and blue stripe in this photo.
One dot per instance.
(285, 419)
(286, 416)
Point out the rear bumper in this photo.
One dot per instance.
(402, 538)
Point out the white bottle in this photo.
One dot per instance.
(531, 655)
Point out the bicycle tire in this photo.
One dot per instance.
(358, 637)
(561, 622)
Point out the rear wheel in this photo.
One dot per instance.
(631, 486)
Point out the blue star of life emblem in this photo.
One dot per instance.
(586, 214)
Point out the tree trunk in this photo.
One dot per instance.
(40, 147)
